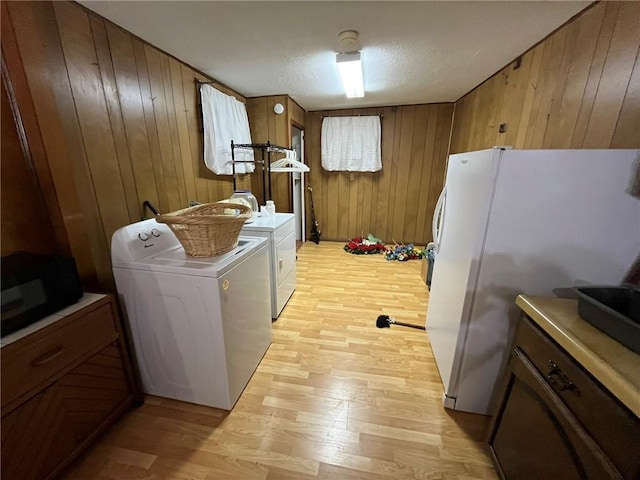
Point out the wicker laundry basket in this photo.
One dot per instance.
(206, 230)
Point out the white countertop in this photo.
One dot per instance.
(87, 299)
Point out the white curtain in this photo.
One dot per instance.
(224, 118)
(351, 144)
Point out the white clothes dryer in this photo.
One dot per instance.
(200, 326)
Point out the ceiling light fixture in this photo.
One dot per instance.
(350, 69)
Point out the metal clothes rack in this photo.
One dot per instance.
(266, 150)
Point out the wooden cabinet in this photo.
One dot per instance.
(554, 420)
(62, 385)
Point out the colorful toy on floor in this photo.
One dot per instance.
(364, 246)
(403, 253)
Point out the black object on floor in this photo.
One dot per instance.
(385, 321)
(315, 226)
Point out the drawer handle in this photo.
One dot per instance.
(558, 379)
(280, 263)
(46, 357)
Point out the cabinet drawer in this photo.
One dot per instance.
(614, 428)
(534, 436)
(44, 433)
(41, 357)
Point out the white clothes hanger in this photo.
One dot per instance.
(288, 163)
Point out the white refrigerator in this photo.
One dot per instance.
(520, 221)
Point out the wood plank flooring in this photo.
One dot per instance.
(334, 397)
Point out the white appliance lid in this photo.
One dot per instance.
(176, 261)
(149, 245)
(264, 223)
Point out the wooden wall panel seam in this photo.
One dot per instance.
(173, 134)
(628, 124)
(116, 119)
(96, 147)
(131, 110)
(16, 87)
(181, 125)
(577, 76)
(151, 127)
(616, 72)
(576, 93)
(595, 71)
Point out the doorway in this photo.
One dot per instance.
(298, 183)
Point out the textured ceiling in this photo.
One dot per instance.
(413, 52)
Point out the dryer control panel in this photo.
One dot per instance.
(140, 240)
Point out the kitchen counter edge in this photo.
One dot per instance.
(613, 365)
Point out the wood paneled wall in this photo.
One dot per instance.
(297, 114)
(25, 221)
(267, 125)
(396, 203)
(119, 121)
(579, 88)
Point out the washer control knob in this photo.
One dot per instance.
(143, 236)
(155, 232)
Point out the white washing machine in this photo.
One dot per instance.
(200, 326)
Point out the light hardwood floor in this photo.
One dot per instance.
(334, 397)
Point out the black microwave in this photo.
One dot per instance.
(34, 286)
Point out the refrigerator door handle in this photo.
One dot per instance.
(438, 214)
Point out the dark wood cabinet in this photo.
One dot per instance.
(537, 437)
(554, 420)
(34, 437)
(62, 386)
